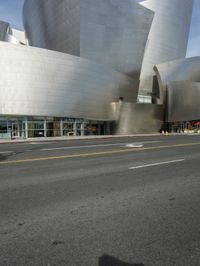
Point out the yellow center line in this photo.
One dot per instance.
(99, 153)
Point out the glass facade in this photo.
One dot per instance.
(144, 99)
(33, 127)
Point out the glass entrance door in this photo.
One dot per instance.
(15, 130)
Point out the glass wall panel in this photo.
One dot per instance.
(35, 129)
(53, 129)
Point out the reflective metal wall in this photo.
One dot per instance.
(4, 29)
(40, 82)
(179, 83)
(134, 118)
(115, 33)
(110, 32)
(168, 36)
(8, 34)
(178, 70)
(16, 37)
(183, 101)
(53, 24)
(19, 36)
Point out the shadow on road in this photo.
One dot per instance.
(107, 260)
(2, 158)
(17, 152)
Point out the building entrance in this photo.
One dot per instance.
(15, 133)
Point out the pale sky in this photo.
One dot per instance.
(11, 11)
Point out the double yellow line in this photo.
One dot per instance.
(99, 153)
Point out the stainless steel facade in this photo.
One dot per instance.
(8, 34)
(183, 101)
(168, 36)
(183, 69)
(38, 82)
(19, 36)
(53, 24)
(4, 29)
(110, 32)
(179, 83)
(90, 67)
(115, 33)
(134, 118)
(178, 70)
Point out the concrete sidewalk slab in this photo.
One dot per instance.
(49, 139)
(42, 139)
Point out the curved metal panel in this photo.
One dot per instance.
(53, 24)
(168, 36)
(114, 33)
(183, 69)
(4, 29)
(183, 101)
(40, 82)
(178, 70)
(19, 36)
(110, 32)
(134, 118)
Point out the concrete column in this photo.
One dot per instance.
(45, 128)
(26, 127)
(75, 129)
(82, 129)
(61, 127)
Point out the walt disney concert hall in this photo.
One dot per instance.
(96, 67)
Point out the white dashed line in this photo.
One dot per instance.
(155, 164)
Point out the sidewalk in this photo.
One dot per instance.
(49, 139)
(44, 139)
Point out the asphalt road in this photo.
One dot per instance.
(125, 201)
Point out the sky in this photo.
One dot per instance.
(11, 11)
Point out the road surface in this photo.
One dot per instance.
(123, 201)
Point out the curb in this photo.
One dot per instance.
(89, 138)
(73, 138)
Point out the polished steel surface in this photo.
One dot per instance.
(105, 31)
(183, 101)
(168, 36)
(115, 33)
(179, 84)
(183, 69)
(103, 44)
(4, 29)
(41, 82)
(53, 24)
(16, 37)
(19, 36)
(134, 118)
(177, 70)
(8, 34)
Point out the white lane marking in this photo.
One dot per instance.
(96, 145)
(134, 145)
(155, 164)
(4, 152)
(38, 143)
